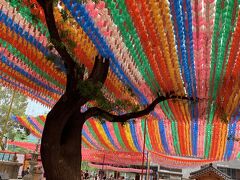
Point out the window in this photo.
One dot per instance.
(230, 172)
(171, 169)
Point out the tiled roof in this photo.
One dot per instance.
(208, 169)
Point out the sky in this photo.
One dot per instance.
(35, 108)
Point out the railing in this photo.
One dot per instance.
(6, 156)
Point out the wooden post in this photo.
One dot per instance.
(148, 167)
(103, 161)
(102, 174)
(143, 155)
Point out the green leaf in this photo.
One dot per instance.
(10, 128)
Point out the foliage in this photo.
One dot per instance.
(64, 15)
(18, 149)
(9, 128)
(85, 167)
(93, 91)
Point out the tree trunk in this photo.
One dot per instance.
(61, 141)
(2, 145)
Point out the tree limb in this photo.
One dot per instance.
(47, 6)
(100, 70)
(70, 64)
(95, 111)
(101, 65)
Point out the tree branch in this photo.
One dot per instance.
(100, 70)
(47, 6)
(95, 111)
(101, 65)
(72, 67)
(74, 77)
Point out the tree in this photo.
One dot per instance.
(61, 139)
(11, 103)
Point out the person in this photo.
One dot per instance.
(25, 172)
(28, 170)
(111, 177)
(86, 175)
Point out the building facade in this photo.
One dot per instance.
(209, 172)
(231, 168)
(169, 173)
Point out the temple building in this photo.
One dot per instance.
(209, 173)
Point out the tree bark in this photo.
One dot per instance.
(61, 141)
(97, 112)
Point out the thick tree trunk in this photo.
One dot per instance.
(61, 141)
